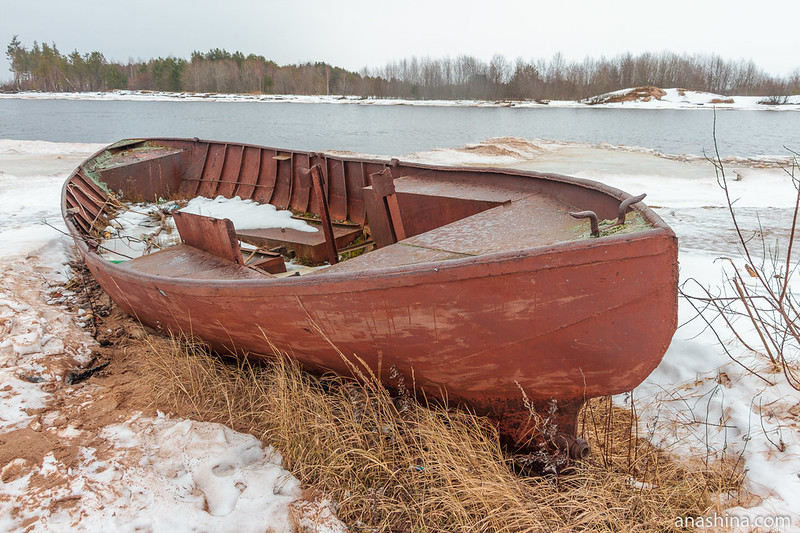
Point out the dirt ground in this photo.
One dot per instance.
(639, 94)
(85, 358)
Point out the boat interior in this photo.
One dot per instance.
(401, 214)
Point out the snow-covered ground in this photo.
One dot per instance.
(208, 477)
(62, 466)
(674, 99)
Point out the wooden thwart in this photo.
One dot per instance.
(184, 261)
(310, 246)
(399, 207)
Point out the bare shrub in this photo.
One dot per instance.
(757, 295)
(774, 100)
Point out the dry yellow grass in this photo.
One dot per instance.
(393, 464)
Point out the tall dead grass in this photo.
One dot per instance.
(394, 464)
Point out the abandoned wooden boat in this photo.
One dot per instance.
(481, 288)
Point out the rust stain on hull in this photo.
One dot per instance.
(544, 309)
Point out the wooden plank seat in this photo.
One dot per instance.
(535, 219)
(425, 203)
(184, 261)
(308, 246)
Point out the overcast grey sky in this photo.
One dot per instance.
(355, 33)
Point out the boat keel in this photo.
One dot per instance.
(543, 428)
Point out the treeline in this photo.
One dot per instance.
(43, 67)
(559, 79)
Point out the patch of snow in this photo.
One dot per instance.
(499, 151)
(193, 475)
(126, 235)
(40, 148)
(26, 203)
(246, 214)
(31, 334)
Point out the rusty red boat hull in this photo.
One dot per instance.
(566, 321)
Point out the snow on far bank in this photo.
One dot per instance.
(674, 98)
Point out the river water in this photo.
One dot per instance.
(394, 130)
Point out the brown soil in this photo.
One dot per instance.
(639, 94)
(76, 412)
(504, 146)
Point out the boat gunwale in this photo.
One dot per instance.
(619, 194)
